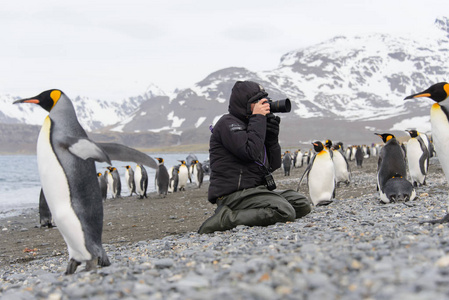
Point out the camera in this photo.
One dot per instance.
(269, 182)
(280, 106)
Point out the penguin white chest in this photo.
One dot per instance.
(57, 192)
(183, 176)
(341, 168)
(321, 178)
(137, 180)
(440, 134)
(414, 153)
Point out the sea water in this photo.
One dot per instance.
(20, 184)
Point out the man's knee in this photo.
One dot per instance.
(300, 203)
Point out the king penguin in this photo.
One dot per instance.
(103, 183)
(141, 179)
(183, 176)
(197, 173)
(417, 158)
(109, 181)
(114, 182)
(341, 166)
(359, 156)
(161, 178)
(67, 172)
(174, 179)
(129, 177)
(392, 172)
(320, 176)
(299, 161)
(287, 163)
(439, 120)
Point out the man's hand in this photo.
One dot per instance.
(262, 107)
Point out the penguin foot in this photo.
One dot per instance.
(71, 266)
(445, 219)
(324, 202)
(103, 260)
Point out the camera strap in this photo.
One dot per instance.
(262, 164)
(269, 180)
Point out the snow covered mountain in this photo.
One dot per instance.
(343, 88)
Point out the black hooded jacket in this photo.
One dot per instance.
(238, 146)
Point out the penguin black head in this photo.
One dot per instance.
(437, 92)
(336, 147)
(385, 136)
(46, 100)
(328, 144)
(413, 133)
(318, 146)
(183, 162)
(159, 159)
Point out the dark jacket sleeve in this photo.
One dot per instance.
(274, 157)
(246, 143)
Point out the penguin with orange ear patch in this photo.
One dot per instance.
(66, 163)
(65, 158)
(439, 120)
(320, 176)
(392, 172)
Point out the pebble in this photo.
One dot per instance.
(355, 248)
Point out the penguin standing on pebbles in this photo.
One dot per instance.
(67, 171)
(392, 173)
(359, 156)
(115, 184)
(129, 177)
(298, 161)
(161, 178)
(66, 163)
(417, 158)
(287, 163)
(197, 173)
(103, 183)
(439, 120)
(320, 176)
(141, 181)
(341, 165)
(183, 176)
(174, 179)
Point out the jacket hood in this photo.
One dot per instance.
(243, 94)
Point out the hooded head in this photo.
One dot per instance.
(243, 94)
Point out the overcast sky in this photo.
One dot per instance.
(115, 49)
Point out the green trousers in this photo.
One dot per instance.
(256, 207)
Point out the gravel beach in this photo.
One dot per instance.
(355, 248)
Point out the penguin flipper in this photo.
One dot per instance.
(124, 153)
(85, 148)
(306, 172)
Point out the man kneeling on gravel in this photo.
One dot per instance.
(244, 150)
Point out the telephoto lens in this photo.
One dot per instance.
(280, 106)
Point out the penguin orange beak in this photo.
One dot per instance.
(419, 95)
(35, 101)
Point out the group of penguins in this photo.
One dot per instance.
(64, 151)
(329, 166)
(165, 181)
